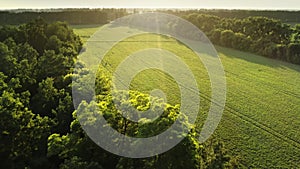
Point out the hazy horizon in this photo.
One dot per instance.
(178, 4)
(45, 8)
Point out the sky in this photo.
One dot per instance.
(225, 4)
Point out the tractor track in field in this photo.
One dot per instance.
(236, 113)
(285, 92)
(269, 85)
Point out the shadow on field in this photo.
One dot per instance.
(253, 58)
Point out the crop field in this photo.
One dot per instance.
(261, 119)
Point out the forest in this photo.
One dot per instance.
(274, 34)
(260, 35)
(39, 126)
(72, 16)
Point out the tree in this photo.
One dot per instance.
(241, 42)
(293, 53)
(227, 37)
(21, 130)
(261, 35)
(35, 32)
(215, 36)
(35, 96)
(76, 143)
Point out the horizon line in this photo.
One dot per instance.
(153, 8)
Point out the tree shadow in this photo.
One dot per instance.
(257, 59)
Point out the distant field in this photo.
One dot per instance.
(262, 115)
(85, 31)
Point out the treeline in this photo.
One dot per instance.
(71, 16)
(284, 16)
(39, 127)
(260, 35)
(100, 16)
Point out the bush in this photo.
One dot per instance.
(227, 37)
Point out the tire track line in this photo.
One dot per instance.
(232, 111)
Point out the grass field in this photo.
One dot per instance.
(262, 114)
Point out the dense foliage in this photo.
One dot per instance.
(261, 35)
(265, 33)
(87, 16)
(75, 148)
(38, 129)
(283, 15)
(35, 97)
(38, 125)
(72, 16)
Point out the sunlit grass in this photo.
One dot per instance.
(261, 118)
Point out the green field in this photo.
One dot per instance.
(261, 118)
